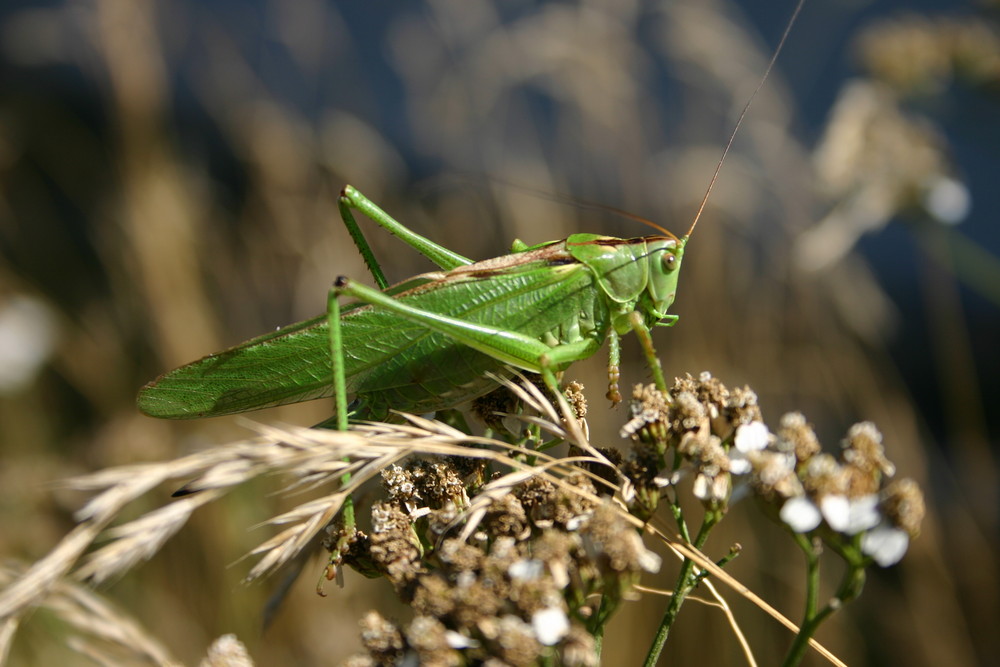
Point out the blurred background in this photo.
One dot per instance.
(168, 183)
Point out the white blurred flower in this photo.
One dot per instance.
(863, 513)
(27, 339)
(458, 641)
(800, 514)
(752, 437)
(836, 509)
(713, 488)
(886, 544)
(650, 561)
(550, 625)
(948, 200)
(526, 569)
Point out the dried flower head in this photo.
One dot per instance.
(864, 454)
(903, 505)
(393, 545)
(509, 590)
(650, 410)
(797, 436)
(577, 399)
(381, 638)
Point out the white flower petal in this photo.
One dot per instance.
(550, 625)
(800, 514)
(700, 489)
(526, 570)
(862, 514)
(457, 640)
(739, 464)
(836, 510)
(721, 486)
(885, 544)
(650, 561)
(670, 479)
(751, 437)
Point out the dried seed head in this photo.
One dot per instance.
(863, 450)
(502, 401)
(394, 547)
(797, 436)
(712, 483)
(707, 389)
(491, 407)
(641, 466)
(528, 569)
(381, 638)
(613, 545)
(577, 400)
(398, 483)
(439, 483)
(511, 640)
(774, 477)
(704, 450)
(475, 602)
(823, 476)
(903, 505)
(441, 520)
(504, 552)
(531, 591)
(547, 504)
(506, 516)
(430, 640)
(689, 414)
(715, 398)
(742, 408)
(556, 549)
(460, 556)
(650, 420)
(432, 596)
(686, 383)
(578, 649)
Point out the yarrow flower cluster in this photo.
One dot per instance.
(698, 421)
(719, 434)
(527, 567)
(517, 586)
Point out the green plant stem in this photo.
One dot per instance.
(605, 610)
(850, 587)
(687, 579)
(598, 632)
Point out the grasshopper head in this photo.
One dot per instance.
(636, 274)
(664, 257)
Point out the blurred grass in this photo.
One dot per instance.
(168, 183)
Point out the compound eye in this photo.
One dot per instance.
(669, 261)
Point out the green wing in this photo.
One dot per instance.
(389, 361)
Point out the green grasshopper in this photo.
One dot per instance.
(434, 341)
(428, 343)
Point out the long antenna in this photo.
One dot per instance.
(746, 108)
(582, 204)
